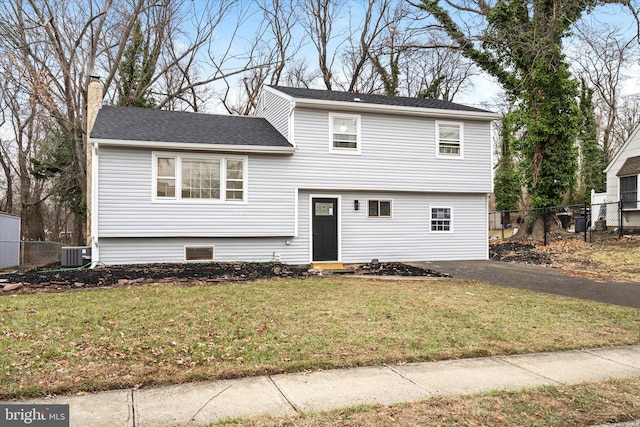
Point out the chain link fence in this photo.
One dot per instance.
(591, 222)
(27, 255)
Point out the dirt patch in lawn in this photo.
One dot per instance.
(131, 275)
(602, 260)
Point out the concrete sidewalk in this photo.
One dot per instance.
(202, 403)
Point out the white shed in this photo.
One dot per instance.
(9, 241)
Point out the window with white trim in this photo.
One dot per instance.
(378, 208)
(203, 178)
(440, 219)
(449, 139)
(629, 192)
(345, 133)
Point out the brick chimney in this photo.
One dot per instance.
(94, 102)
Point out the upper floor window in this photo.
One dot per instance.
(629, 192)
(206, 178)
(345, 133)
(449, 139)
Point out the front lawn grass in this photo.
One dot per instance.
(160, 334)
(577, 405)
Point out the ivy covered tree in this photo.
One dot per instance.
(594, 158)
(136, 71)
(520, 45)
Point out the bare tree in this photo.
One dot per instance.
(319, 17)
(358, 70)
(436, 71)
(27, 121)
(61, 43)
(627, 121)
(274, 48)
(601, 56)
(6, 203)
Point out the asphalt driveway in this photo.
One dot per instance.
(542, 279)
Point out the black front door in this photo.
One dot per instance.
(324, 213)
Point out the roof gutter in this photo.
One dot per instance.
(396, 109)
(257, 149)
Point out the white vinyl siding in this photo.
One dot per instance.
(275, 109)
(406, 238)
(126, 206)
(397, 153)
(449, 139)
(396, 162)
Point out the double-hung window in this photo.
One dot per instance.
(629, 192)
(166, 177)
(441, 219)
(345, 133)
(202, 177)
(449, 139)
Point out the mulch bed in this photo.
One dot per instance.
(131, 275)
(393, 269)
(519, 252)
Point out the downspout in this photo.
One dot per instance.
(291, 135)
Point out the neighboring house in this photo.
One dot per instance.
(9, 241)
(622, 182)
(315, 176)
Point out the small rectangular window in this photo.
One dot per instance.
(345, 133)
(629, 192)
(198, 253)
(440, 219)
(449, 139)
(379, 208)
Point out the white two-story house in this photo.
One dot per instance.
(315, 176)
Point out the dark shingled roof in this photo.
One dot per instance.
(143, 124)
(404, 101)
(631, 166)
